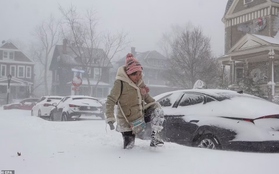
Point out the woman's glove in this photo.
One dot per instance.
(111, 126)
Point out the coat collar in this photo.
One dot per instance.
(121, 75)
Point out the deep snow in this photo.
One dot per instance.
(88, 146)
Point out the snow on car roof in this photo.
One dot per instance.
(212, 92)
(238, 105)
(82, 96)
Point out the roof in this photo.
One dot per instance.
(8, 45)
(21, 57)
(92, 82)
(145, 59)
(233, 4)
(71, 57)
(268, 39)
(229, 4)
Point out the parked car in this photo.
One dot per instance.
(75, 106)
(45, 105)
(25, 104)
(220, 119)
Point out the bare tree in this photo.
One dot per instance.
(90, 47)
(190, 57)
(47, 35)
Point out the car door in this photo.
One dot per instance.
(168, 103)
(37, 106)
(180, 128)
(57, 111)
(47, 105)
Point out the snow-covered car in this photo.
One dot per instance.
(25, 104)
(75, 106)
(220, 119)
(45, 105)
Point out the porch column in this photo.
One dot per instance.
(271, 55)
(246, 71)
(233, 72)
(223, 71)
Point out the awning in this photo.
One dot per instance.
(14, 82)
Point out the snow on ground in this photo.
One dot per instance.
(87, 146)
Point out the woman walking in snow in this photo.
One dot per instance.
(130, 94)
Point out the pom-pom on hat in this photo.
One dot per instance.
(132, 64)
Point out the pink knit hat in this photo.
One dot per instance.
(132, 64)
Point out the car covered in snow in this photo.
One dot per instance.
(220, 119)
(45, 105)
(73, 107)
(24, 104)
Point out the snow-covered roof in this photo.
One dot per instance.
(267, 38)
(92, 82)
(144, 57)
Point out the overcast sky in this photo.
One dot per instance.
(144, 20)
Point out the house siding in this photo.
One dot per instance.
(63, 75)
(240, 5)
(20, 86)
(232, 26)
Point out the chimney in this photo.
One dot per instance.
(65, 42)
(133, 50)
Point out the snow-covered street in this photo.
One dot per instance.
(87, 146)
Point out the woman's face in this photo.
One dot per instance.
(136, 76)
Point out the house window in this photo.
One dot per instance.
(97, 73)
(28, 72)
(11, 55)
(247, 1)
(21, 71)
(239, 74)
(8, 55)
(3, 70)
(13, 70)
(5, 55)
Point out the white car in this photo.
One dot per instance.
(220, 119)
(45, 105)
(76, 105)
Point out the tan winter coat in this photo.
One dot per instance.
(131, 101)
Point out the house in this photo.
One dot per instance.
(251, 44)
(153, 64)
(66, 65)
(16, 65)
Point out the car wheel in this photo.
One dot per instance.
(64, 117)
(39, 113)
(51, 117)
(208, 141)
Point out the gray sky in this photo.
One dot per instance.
(144, 20)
